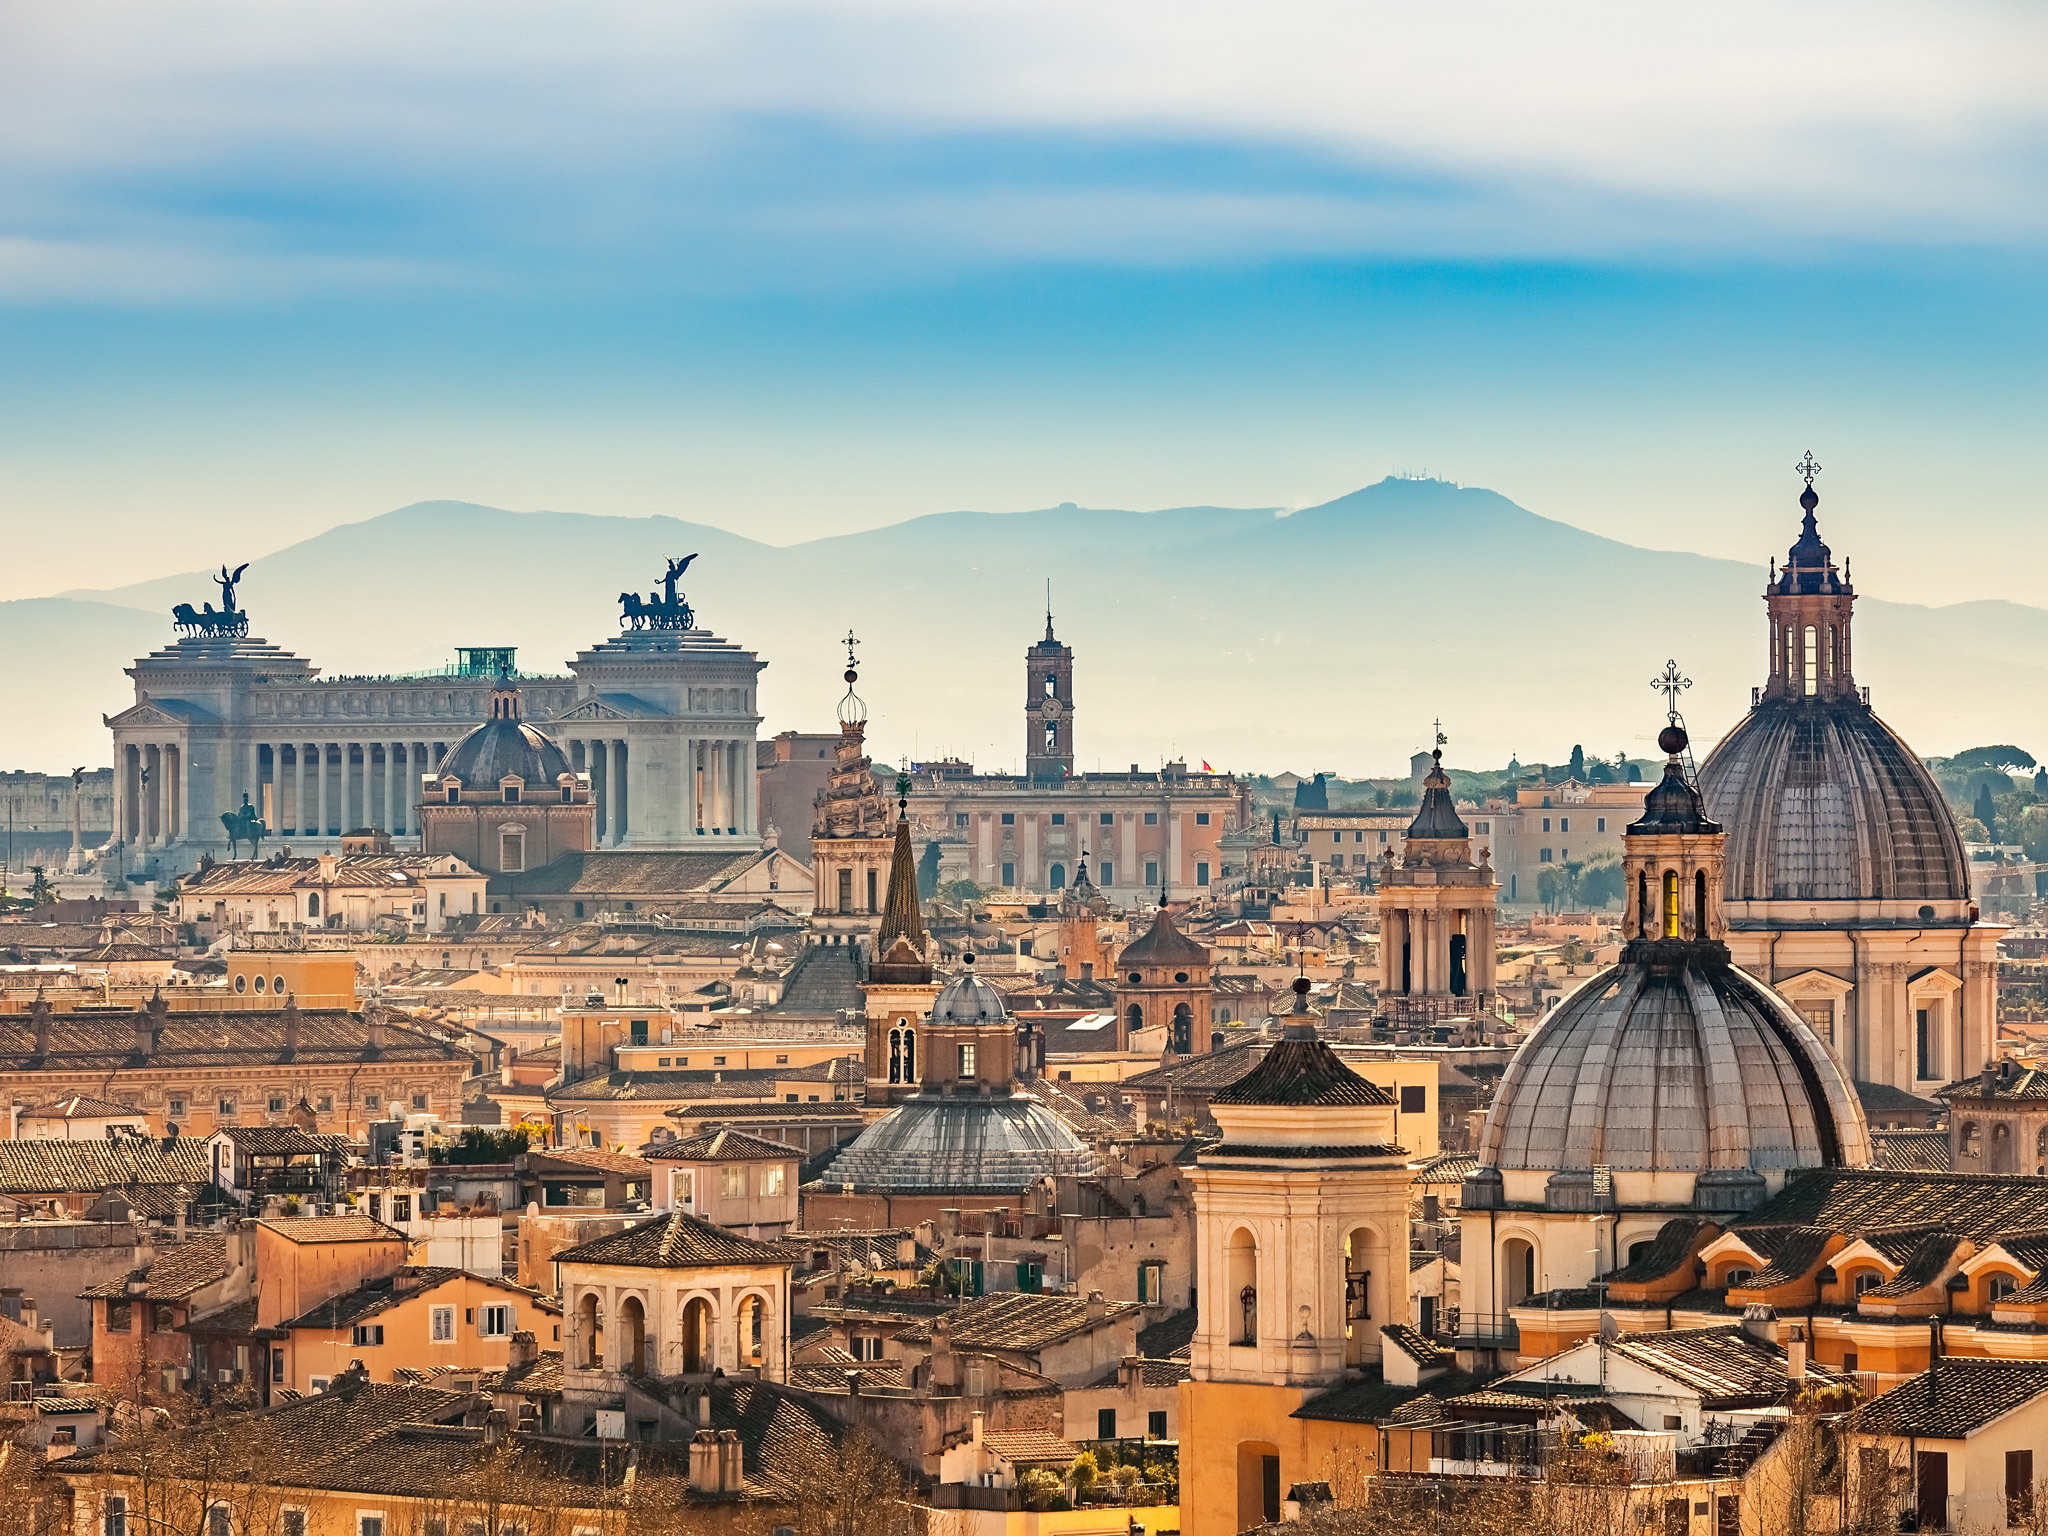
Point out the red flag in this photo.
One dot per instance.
(1205, 766)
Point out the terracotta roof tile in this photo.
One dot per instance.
(89, 1167)
(330, 1229)
(675, 1241)
(718, 1146)
(1032, 1446)
(1014, 1320)
(1967, 1394)
(193, 1265)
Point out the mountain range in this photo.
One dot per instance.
(1329, 638)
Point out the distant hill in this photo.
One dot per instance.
(1328, 639)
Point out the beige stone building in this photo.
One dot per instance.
(1436, 916)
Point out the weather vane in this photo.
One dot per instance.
(1808, 468)
(1671, 684)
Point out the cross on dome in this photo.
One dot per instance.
(1807, 467)
(1671, 684)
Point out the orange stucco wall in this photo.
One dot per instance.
(408, 1335)
(297, 1276)
(1225, 1429)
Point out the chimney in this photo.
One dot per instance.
(494, 1427)
(906, 1251)
(1795, 1357)
(1130, 1368)
(291, 1023)
(1097, 1308)
(39, 1012)
(1933, 1357)
(525, 1348)
(977, 1426)
(949, 1222)
(704, 1468)
(945, 1365)
(1984, 1081)
(732, 1471)
(704, 1409)
(373, 1024)
(1758, 1321)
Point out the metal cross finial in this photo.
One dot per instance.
(1441, 738)
(1671, 684)
(850, 644)
(1808, 467)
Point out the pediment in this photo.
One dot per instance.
(147, 713)
(1932, 982)
(591, 709)
(1813, 984)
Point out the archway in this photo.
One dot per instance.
(1517, 1272)
(753, 1332)
(1183, 1029)
(909, 1054)
(697, 1340)
(1258, 1484)
(1134, 1019)
(1058, 877)
(589, 1320)
(632, 1350)
(1362, 1311)
(1241, 1293)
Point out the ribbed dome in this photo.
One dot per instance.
(967, 999)
(968, 1145)
(1824, 803)
(503, 747)
(1685, 1068)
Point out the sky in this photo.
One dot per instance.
(793, 269)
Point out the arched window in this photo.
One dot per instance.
(1358, 1247)
(1670, 903)
(1738, 1276)
(313, 904)
(895, 1055)
(1643, 921)
(1058, 877)
(1641, 1249)
(2000, 1287)
(2041, 1142)
(1517, 1271)
(1864, 1280)
(633, 1338)
(1242, 1276)
(1699, 904)
(909, 1054)
(697, 1349)
(1812, 662)
(589, 1323)
(752, 1331)
(1972, 1139)
(1183, 1029)
(1134, 1018)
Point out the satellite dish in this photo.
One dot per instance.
(1610, 1330)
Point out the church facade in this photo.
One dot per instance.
(1141, 832)
(660, 718)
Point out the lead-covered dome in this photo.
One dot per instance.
(967, 999)
(1823, 802)
(964, 1145)
(505, 746)
(1674, 1068)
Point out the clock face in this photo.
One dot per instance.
(1050, 709)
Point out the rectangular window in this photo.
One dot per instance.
(1105, 1423)
(782, 1061)
(1599, 824)
(1543, 856)
(1201, 873)
(367, 1333)
(1059, 818)
(120, 1316)
(1151, 1285)
(276, 1104)
(372, 1101)
(579, 909)
(959, 818)
(1546, 823)
(966, 1063)
(512, 852)
(1151, 872)
(1564, 823)
(401, 1207)
(1009, 874)
(1106, 873)
(225, 1108)
(497, 1323)
(1155, 1423)
(718, 1061)
(294, 1522)
(325, 1103)
(376, 1207)
(637, 1028)
(114, 1515)
(1009, 818)
(774, 1179)
(220, 1521)
(177, 1107)
(1106, 819)
(318, 1384)
(277, 1365)
(1923, 1044)
(1480, 827)
(733, 1182)
(2019, 1487)
(370, 1525)
(1201, 818)
(1151, 818)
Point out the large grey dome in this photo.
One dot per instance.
(1687, 1068)
(969, 1145)
(502, 748)
(1824, 803)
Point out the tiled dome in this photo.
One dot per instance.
(1685, 1068)
(963, 1145)
(1823, 802)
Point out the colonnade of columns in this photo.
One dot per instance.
(712, 793)
(1415, 951)
(151, 792)
(326, 789)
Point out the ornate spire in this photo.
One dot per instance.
(1437, 819)
(853, 711)
(902, 916)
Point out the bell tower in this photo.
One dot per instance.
(1049, 705)
(1436, 915)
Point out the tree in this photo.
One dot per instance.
(1986, 812)
(2004, 759)
(928, 872)
(40, 893)
(1084, 1473)
(1602, 884)
(1039, 1488)
(852, 1488)
(1558, 886)
(480, 1144)
(961, 893)
(1579, 763)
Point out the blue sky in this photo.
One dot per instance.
(797, 268)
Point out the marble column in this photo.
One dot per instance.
(621, 775)
(393, 822)
(686, 786)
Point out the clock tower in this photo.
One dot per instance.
(1049, 708)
